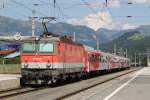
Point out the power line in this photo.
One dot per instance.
(56, 7)
(6, 8)
(61, 11)
(83, 4)
(15, 11)
(22, 5)
(92, 9)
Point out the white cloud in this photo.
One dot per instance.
(76, 21)
(114, 3)
(94, 21)
(102, 20)
(139, 1)
(129, 26)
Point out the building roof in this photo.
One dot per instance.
(13, 55)
(7, 51)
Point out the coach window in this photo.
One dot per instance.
(89, 57)
(99, 58)
(102, 60)
(106, 60)
(93, 57)
(96, 57)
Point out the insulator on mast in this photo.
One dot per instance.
(106, 3)
(54, 3)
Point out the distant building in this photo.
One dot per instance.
(12, 46)
(9, 52)
(6, 52)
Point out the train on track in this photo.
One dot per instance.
(49, 58)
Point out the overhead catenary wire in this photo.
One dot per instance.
(95, 12)
(18, 13)
(6, 8)
(57, 6)
(82, 4)
(61, 11)
(48, 4)
(22, 5)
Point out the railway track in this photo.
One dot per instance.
(18, 91)
(24, 90)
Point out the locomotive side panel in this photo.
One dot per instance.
(71, 57)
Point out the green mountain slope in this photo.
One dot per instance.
(134, 41)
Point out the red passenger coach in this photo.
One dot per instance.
(94, 61)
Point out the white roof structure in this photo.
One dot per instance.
(88, 48)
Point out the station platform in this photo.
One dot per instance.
(133, 86)
(9, 81)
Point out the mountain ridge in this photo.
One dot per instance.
(84, 34)
(134, 41)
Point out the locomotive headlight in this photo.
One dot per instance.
(26, 64)
(48, 65)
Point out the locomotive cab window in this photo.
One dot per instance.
(46, 47)
(29, 47)
(39, 47)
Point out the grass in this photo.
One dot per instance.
(136, 37)
(10, 68)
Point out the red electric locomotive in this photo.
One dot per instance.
(47, 59)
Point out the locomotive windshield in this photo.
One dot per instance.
(29, 47)
(46, 47)
(40, 47)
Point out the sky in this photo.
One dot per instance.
(92, 13)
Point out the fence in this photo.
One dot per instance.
(10, 68)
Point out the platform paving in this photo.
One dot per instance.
(135, 86)
(9, 81)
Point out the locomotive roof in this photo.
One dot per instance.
(37, 38)
(88, 48)
(71, 42)
(50, 39)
